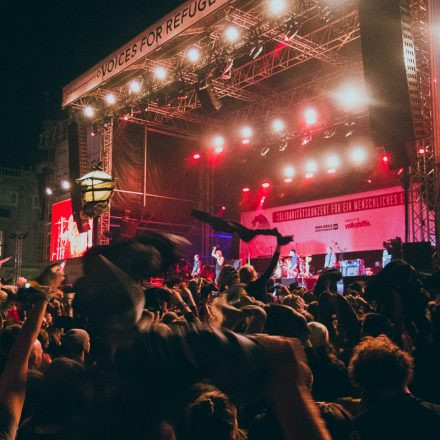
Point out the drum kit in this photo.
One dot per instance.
(302, 270)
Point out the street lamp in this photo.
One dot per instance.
(96, 190)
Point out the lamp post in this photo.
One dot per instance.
(96, 191)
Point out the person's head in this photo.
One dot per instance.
(327, 281)
(76, 344)
(247, 274)
(328, 250)
(292, 252)
(375, 324)
(285, 321)
(213, 416)
(36, 357)
(338, 420)
(228, 277)
(380, 368)
(196, 257)
(319, 336)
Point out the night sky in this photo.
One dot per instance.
(46, 44)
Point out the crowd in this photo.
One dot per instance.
(112, 357)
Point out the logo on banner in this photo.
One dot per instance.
(356, 223)
(329, 227)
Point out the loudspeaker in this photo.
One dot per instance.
(383, 34)
(208, 98)
(418, 255)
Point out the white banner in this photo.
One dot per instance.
(356, 222)
(159, 33)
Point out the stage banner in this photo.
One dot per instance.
(139, 47)
(355, 222)
(65, 240)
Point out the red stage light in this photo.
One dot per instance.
(218, 150)
(263, 199)
(265, 185)
(385, 158)
(223, 208)
(246, 189)
(245, 141)
(196, 156)
(422, 151)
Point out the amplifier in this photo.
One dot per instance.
(352, 268)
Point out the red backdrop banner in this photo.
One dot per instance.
(65, 240)
(355, 222)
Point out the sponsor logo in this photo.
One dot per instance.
(329, 227)
(356, 223)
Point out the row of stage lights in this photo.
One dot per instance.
(64, 185)
(231, 36)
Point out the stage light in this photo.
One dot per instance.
(160, 73)
(89, 112)
(65, 184)
(332, 162)
(218, 149)
(265, 185)
(196, 156)
(232, 33)
(246, 132)
(49, 191)
(223, 208)
(245, 141)
(351, 97)
(193, 54)
(218, 141)
(422, 151)
(311, 116)
(263, 199)
(385, 158)
(358, 155)
(276, 7)
(311, 167)
(288, 179)
(278, 125)
(289, 171)
(135, 86)
(110, 99)
(246, 189)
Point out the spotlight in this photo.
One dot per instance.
(351, 97)
(265, 185)
(264, 151)
(246, 189)
(196, 156)
(65, 184)
(358, 155)
(311, 116)
(278, 125)
(245, 141)
(160, 73)
(306, 139)
(385, 158)
(421, 151)
(110, 99)
(311, 167)
(135, 86)
(218, 149)
(232, 33)
(89, 112)
(246, 132)
(288, 180)
(49, 191)
(332, 163)
(193, 54)
(218, 141)
(289, 171)
(223, 208)
(276, 7)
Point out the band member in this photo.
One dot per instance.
(293, 264)
(330, 258)
(219, 261)
(197, 267)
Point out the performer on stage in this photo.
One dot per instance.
(293, 264)
(219, 261)
(197, 267)
(330, 258)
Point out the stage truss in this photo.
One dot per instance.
(321, 38)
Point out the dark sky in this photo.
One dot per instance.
(46, 44)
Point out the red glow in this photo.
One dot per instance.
(263, 199)
(218, 149)
(196, 156)
(245, 141)
(265, 185)
(246, 189)
(309, 175)
(385, 158)
(311, 116)
(223, 208)
(422, 151)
